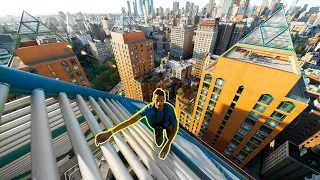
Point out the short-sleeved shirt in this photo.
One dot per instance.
(162, 119)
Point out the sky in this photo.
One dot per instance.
(38, 7)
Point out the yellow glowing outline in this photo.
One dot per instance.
(164, 134)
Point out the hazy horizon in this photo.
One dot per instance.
(102, 7)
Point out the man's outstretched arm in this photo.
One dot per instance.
(105, 136)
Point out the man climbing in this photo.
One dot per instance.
(160, 116)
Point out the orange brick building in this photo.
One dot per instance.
(135, 60)
(51, 60)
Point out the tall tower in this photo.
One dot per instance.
(135, 59)
(210, 6)
(129, 8)
(237, 34)
(223, 8)
(187, 7)
(135, 8)
(251, 93)
(175, 6)
(206, 38)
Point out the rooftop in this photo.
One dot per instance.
(260, 57)
(269, 44)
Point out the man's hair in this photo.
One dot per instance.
(159, 92)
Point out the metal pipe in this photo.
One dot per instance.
(4, 91)
(170, 159)
(26, 110)
(118, 168)
(155, 170)
(43, 159)
(22, 112)
(165, 168)
(11, 135)
(87, 164)
(16, 104)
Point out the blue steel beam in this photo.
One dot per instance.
(24, 82)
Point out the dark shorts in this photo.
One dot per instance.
(159, 129)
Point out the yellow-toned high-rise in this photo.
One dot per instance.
(251, 93)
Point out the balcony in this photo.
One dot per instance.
(64, 125)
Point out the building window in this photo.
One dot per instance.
(247, 149)
(236, 98)
(73, 61)
(245, 127)
(210, 108)
(219, 82)
(212, 103)
(254, 115)
(227, 153)
(235, 142)
(64, 63)
(242, 132)
(216, 90)
(240, 89)
(286, 106)
(74, 81)
(278, 116)
(54, 74)
(251, 145)
(237, 161)
(233, 146)
(70, 75)
(272, 123)
(255, 141)
(243, 153)
(260, 136)
(240, 157)
(206, 86)
(237, 137)
(259, 108)
(208, 78)
(50, 67)
(249, 122)
(33, 70)
(232, 105)
(76, 68)
(265, 130)
(214, 97)
(266, 99)
(204, 92)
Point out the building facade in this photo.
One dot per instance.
(51, 60)
(206, 38)
(135, 60)
(180, 69)
(303, 131)
(225, 32)
(200, 63)
(290, 162)
(181, 41)
(239, 108)
(98, 50)
(237, 34)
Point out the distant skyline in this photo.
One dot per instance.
(43, 7)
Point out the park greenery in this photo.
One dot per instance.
(103, 77)
(157, 62)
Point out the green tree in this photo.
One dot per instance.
(157, 62)
(115, 77)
